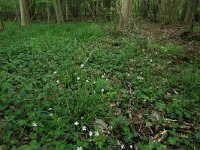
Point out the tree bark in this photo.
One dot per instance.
(1, 22)
(48, 12)
(155, 11)
(25, 14)
(126, 13)
(191, 8)
(169, 11)
(145, 8)
(1, 25)
(67, 10)
(58, 10)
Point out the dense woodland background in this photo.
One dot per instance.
(99, 74)
(164, 12)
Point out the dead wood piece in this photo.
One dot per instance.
(161, 136)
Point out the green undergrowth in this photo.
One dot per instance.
(56, 79)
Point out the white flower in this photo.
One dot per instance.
(79, 148)
(106, 79)
(96, 133)
(82, 118)
(76, 123)
(34, 124)
(140, 78)
(131, 146)
(103, 76)
(84, 128)
(50, 114)
(102, 90)
(122, 146)
(55, 72)
(82, 65)
(50, 109)
(90, 133)
(87, 81)
(58, 81)
(78, 78)
(94, 82)
(151, 60)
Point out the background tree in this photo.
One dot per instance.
(1, 22)
(126, 13)
(190, 11)
(169, 11)
(66, 10)
(24, 11)
(58, 10)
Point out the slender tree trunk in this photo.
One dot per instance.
(58, 10)
(169, 11)
(97, 8)
(1, 23)
(67, 10)
(48, 12)
(126, 13)
(25, 14)
(145, 8)
(16, 11)
(191, 8)
(155, 11)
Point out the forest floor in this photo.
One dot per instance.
(85, 85)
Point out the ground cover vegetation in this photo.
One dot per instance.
(118, 75)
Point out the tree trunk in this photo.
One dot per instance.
(126, 12)
(48, 12)
(145, 8)
(58, 10)
(67, 10)
(191, 8)
(25, 14)
(169, 11)
(1, 25)
(1, 22)
(155, 11)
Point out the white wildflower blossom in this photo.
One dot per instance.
(131, 146)
(106, 79)
(55, 72)
(82, 118)
(79, 148)
(78, 78)
(58, 81)
(122, 146)
(90, 133)
(84, 128)
(87, 81)
(76, 123)
(50, 114)
(140, 78)
(103, 76)
(50, 109)
(151, 60)
(94, 82)
(102, 90)
(82, 65)
(96, 133)
(34, 124)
